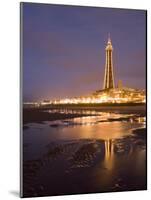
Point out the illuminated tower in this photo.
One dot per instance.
(109, 75)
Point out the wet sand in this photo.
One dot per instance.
(39, 115)
(87, 166)
(98, 163)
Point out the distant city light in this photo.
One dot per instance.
(115, 95)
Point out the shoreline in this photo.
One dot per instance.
(39, 115)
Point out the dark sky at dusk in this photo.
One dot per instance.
(64, 49)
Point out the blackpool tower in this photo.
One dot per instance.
(109, 75)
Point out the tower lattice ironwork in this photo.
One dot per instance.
(109, 75)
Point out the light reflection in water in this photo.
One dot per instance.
(116, 157)
(88, 127)
(109, 154)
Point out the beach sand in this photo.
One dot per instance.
(80, 166)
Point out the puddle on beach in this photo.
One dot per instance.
(105, 152)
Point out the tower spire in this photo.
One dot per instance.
(109, 38)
